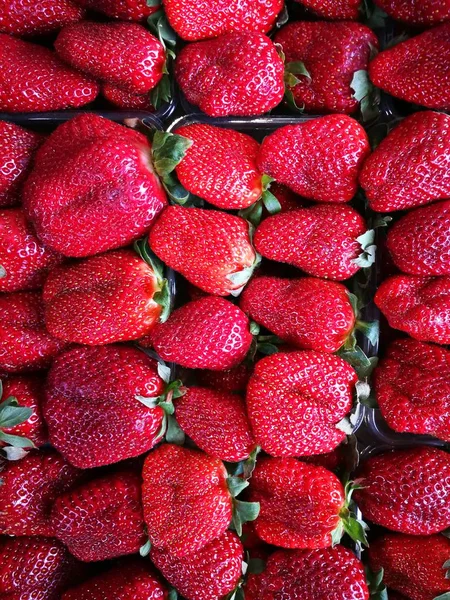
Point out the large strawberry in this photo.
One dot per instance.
(125, 10)
(34, 79)
(410, 166)
(24, 17)
(125, 99)
(333, 9)
(92, 187)
(418, 305)
(235, 74)
(418, 69)
(412, 387)
(102, 518)
(425, 12)
(406, 490)
(332, 57)
(319, 159)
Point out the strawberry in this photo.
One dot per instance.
(415, 566)
(23, 17)
(331, 573)
(211, 572)
(16, 152)
(417, 70)
(419, 243)
(235, 74)
(319, 159)
(92, 187)
(412, 386)
(333, 9)
(125, 10)
(418, 305)
(209, 333)
(24, 260)
(406, 490)
(124, 99)
(37, 480)
(328, 57)
(296, 402)
(124, 54)
(302, 506)
(234, 380)
(34, 79)
(25, 344)
(102, 518)
(426, 12)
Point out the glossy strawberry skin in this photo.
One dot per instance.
(420, 306)
(209, 333)
(237, 74)
(102, 518)
(333, 9)
(125, 10)
(427, 12)
(34, 79)
(186, 500)
(319, 159)
(331, 53)
(29, 391)
(124, 54)
(124, 99)
(24, 17)
(92, 187)
(91, 409)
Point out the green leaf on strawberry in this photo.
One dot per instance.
(377, 588)
(162, 296)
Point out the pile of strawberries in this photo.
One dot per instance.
(189, 380)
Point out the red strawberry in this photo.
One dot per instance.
(16, 151)
(24, 260)
(418, 305)
(410, 167)
(102, 518)
(34, 79)
(193, 21)
(319, 159)
(417, 70)
(125, 54)
(92, 407)
(209, 333)
(331, 460)
(425, 12)
(296, 402)
(235, 74)
(37, 480)
(331, 573)
(234, 380)
(415, 566)
(331, 55)
(124, 99)
(286, 198)
(406, 490)
(24, 17)
(125, 10)
(333, 9)
(92, 187)
(25, 344)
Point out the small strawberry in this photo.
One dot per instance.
(412, 387)
(235, 74)
(410, 166)
(34, 79)
(125, 10)
(209, 333)
(425, 12)
(92, 187)
(124, 99)
(333, 9)
(23, 17)
(102, 518)
(420, 306)
(233, 380)
(211, 572)
(319, 159)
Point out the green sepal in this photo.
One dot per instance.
(174, 433)
(144, 550)
(162, 92)
(160, 27)
(252, 213)
(349, 523)
(366, 94)
(268, 344)
(236, 594)
(256, 566)
(179, 194)
(377, 589)
(270, 202)
(242, 513)
(368, 249)
(292, 104)
(370, 330)
(153, 3)
(242, 277)
(162, 296)
(249, 463)
(254, 328)
(374, 16)
(295, 68)
(445, 596)
(236, 485)
(359, 361)
(173, 390)
(14, 453)
(17, 441)
(168, 150)
(381, 221)
(2, 272)
(11, 414)
(446, 567)
(173, 594)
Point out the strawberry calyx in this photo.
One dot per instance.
(2, 272)
(249, 566)
(163, 295)
(366, 94)
(242, 511)
(267, 200)
(348, 520)
(368, 249)
(264, 344)
(160, 27)
(241, 278)
(11, 415)
(370, 330)
(377, 589)
(168, 150)
(291, 72)
(244, 467)
(445, 596)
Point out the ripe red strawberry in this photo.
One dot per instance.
(296, 402)
(331, 573)
(124, 99)
(211, 572)
(412, 387)
(34, 79)
(36, 480)
(16, 151)
(102, 518)
(417, 70)
(331, 55)
(125, 54)
(333, 9)
(24, 260)
(92, 407)
(415, 566)
(235, 74)
(92, 187)
(125, 10)
(426, 12)
(319, 159)
(418, 305)
(406, 490)
(24, 17)
(209, 333)
(234, 380)
(25, 344)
